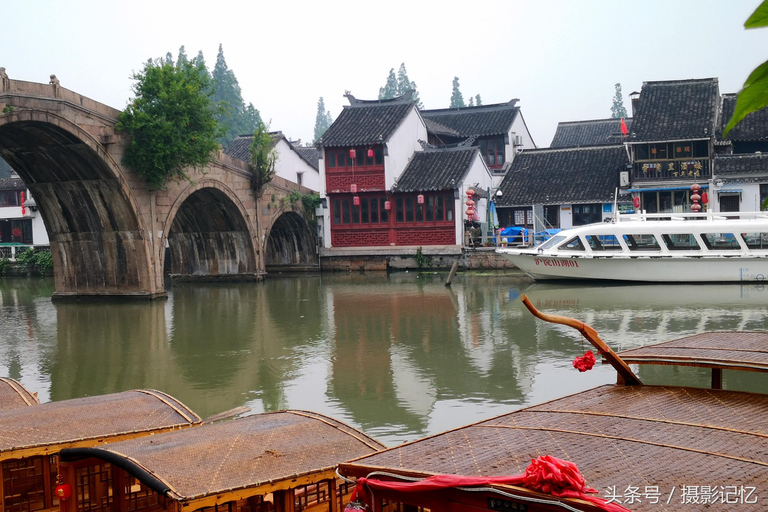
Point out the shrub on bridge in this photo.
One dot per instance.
(171, 122)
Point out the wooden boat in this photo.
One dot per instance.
(282, 461)
(640, 447)
(690, 248)
(13, 394)
(31, 438)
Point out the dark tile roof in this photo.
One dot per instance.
(676, 110)
(483, 120)
(754, 127)
(557, 176)
(436, 169)
(367, 122)
(309, 154)
(438, 129)
(240, 147)
(598, 132)
(12, 184)
(752, 163)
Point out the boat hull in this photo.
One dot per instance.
(640, 269)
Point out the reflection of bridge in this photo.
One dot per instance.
(108, 232)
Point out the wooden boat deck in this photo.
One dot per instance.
(727, 350)
(648, 441)
(13, 394)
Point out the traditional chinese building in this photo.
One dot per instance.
(672, 142)
(385, 185)
(595, 132)
(561, 188)
(498, 131)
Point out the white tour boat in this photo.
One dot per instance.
(666, 247)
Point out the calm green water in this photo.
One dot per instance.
(399, 356)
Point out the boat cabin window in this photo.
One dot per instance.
(720, 241)
(642, 242)
(681, 242)
(552, 242)
(603, 242)
(756, 240)
(574, 244)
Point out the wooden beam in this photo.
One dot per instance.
(625, 372)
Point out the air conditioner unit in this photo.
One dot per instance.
(518, 140)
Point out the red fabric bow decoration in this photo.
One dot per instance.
(545, 474)
(585, 362)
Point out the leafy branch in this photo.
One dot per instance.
(263, 159)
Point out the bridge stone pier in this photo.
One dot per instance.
(109, 233)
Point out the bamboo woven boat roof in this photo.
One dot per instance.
(13, 394)
(618, 436)
(90, 419)
(735, 350)
(244, 453)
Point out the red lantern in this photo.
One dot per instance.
(470, 193)
(420, 199)
(704, 198)
(470, 203)
(23, 208)
(16, 232)
(470, 212)
(356, 200)
(353, 188)
(636, 202)
(352, 154)
(370, 153)
(63, 491)
(387, 205)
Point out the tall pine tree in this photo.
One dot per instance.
(237, 119)
(617, 109)
(183, 59)
(323, 119)
(404, 85)
(457, 100)
(389, 90)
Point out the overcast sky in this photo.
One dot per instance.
(560, 58)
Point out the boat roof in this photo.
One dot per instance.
(731, 350)
(13, 394)
(253, 453)
(618, 436)
(46, 428)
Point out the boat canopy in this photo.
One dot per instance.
(44, 428)
(248, 456)
(13, 394)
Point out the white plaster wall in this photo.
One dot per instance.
(401, 146)
(289, 163)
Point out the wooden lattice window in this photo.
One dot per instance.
(311, 495)
(94, 488)
(27, 484)
(140, 497)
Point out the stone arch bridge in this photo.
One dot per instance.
(112, 236)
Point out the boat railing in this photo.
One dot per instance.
(711, 216)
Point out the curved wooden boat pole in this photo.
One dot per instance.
(626, 375)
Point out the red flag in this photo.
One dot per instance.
(624, 130)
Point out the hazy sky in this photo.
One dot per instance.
(560, 58)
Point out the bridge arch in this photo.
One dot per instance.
(96, 234)
(291, 244)
(210, 233)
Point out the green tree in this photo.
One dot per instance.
(404, 85)
(171, 122)
(227, 93)
(182, 56)
(478, 100)
(323, 119)
(457, 100)
(168, 58)
(263, 159)
(617, 109)
(754, 95)
(389, 90)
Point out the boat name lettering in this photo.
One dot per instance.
(556, 263)
(499, 504)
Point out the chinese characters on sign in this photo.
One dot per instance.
(685, 494)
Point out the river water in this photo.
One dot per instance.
(400, 356)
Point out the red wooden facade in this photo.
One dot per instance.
(364, 213)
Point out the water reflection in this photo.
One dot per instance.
(400, 356)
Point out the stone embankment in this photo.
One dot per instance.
(407, 258)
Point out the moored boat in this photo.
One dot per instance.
(687, 247)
